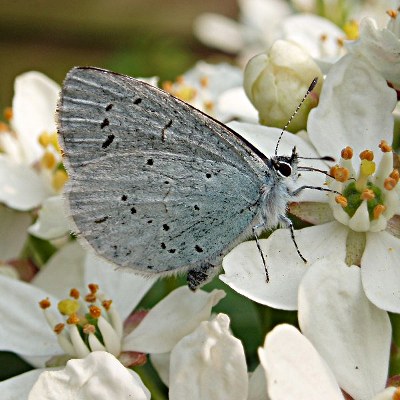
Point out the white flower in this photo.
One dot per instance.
(174, 317)
(30, 155)
(209, 88)
(355, 110)
(276, 82)
(209, 364)
(99, 375)
(258, 27)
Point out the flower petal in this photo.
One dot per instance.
(13, 232)
(52, 222)
(350, 333)
(34, 106)
(244, 271)
(294, 369)
(63, 271)
(161, 363)
(380, 270)
(258, 385)
(172, 318)
(20, 187)
(18, 388)
(22, 316)
(125, 288)
(209, 364)
(98, 376)
(348, 116)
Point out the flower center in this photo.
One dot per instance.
(90, 323)
(367, 199)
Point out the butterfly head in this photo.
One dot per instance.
(285, 166)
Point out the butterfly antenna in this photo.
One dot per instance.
(309, 90)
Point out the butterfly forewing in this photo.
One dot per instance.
(154, 184)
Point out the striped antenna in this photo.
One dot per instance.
(309, 90)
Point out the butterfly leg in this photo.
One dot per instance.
(301, 188)
(200, 275)
(255, 227)
(285, 221)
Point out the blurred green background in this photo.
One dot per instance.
(136, 37)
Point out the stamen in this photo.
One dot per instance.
(340, 42)
(73, 320)
(367, 168)
(89, 328)
(341, 200)
(59, 179)
(95, 311)
(74, 293)
(389, 183)
(378, 210)
(392, 13)
(93, 287)
(44, 139)
(367, 155)
(48, 160)
(91, 298)
(385, 147)
(45, 303)
(8, 113)
(323, 37)
(367, 194)
(59, 328)
(204, 81)
(167, 86)
(347, 153)
(351, 28)
(106, 304)
(208, 106)
(341, 174)
(395, 175)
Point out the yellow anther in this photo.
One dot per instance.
(367, 194)
(180, 79)
(44, 139)
(95, 311)
(59, 328)
(340, 42)
(45, 303)
(4, 127)
(351, 29)
(186, 93)
(378, 210)
(367, 155)
(167, 86)
(59, 179)
(68, 306)
(341, 200)
(323, 37)
(385, 147)
(347, 153)
(48, 160)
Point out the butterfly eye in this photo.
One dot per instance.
(284, 169)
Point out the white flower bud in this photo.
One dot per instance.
(276, 82)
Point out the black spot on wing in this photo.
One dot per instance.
(105, 123)
(108, 141)
(137, 101)
(109, 107)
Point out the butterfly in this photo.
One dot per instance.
(159, 187)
